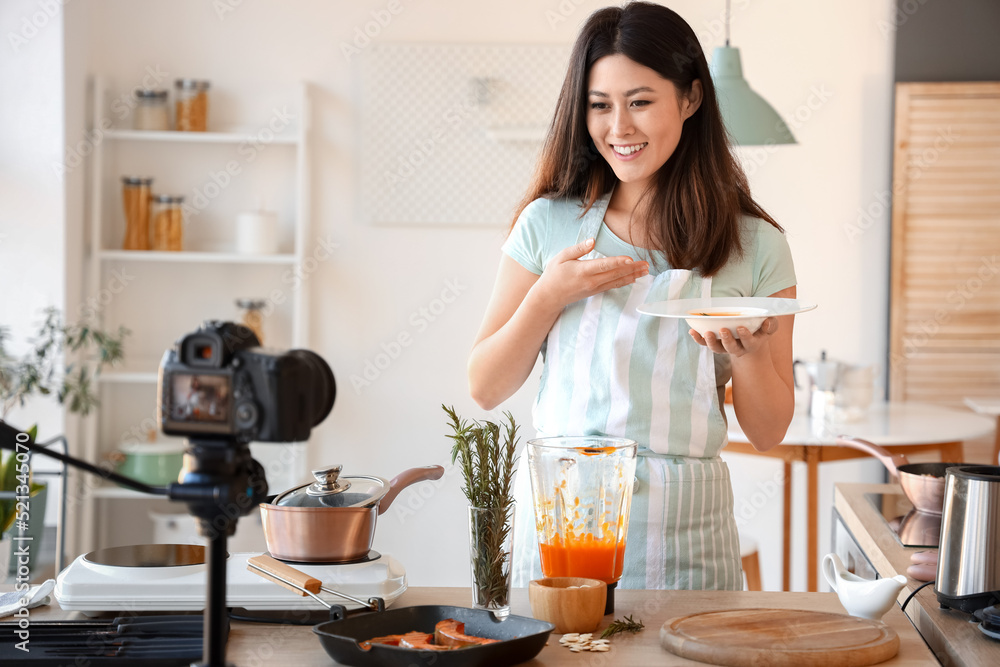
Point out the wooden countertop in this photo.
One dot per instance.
(254, 644)
(952, 637)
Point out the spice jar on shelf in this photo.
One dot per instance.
(135, 198)
(191, 105)
(253, 319)
(151, 110)
(168, 223)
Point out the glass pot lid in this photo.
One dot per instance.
(332, 490)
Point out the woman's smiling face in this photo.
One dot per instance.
(635, 116)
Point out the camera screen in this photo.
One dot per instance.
(200, 398)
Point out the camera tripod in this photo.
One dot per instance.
(220, 483)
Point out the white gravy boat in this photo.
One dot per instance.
(865, 598)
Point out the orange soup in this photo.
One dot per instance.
(701, 314)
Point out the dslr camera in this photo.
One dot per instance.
(219, 383)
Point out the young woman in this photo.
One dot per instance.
(637, 199)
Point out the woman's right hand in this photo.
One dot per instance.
(567, 278)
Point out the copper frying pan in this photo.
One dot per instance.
(923, 483)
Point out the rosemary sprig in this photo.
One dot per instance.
(486, 456)
(622, 625)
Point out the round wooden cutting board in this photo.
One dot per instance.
(779, 637)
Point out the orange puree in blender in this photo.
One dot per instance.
(583, 557)
(594, 451)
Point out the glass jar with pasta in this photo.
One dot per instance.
(168, 223)
(135, 201)
(191, 105)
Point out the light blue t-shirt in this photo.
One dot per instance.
(548, 226)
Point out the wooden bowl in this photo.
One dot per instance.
(572, 604)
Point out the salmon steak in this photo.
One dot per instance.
(450, 632)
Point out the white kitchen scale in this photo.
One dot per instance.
(91, 584)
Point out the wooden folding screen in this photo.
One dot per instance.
(945, 299)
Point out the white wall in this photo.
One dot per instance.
(826, 68)
(32, 215)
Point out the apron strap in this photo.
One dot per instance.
(593, 219)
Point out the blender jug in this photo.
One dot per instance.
(582, 490)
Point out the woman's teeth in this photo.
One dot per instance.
(628, 150)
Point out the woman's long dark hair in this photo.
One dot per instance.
(699, 195)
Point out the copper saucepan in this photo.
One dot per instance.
(923, 483)
(332, 520)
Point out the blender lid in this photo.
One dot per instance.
(331, 489)
(585, 444)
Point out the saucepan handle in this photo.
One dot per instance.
(891, 461)
(406, 478)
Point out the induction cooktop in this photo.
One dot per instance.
(911, 528)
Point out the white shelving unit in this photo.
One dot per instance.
(160, 296)
(230, 137)
(126, 377)
(194, 257)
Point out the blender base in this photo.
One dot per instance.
(609, 603)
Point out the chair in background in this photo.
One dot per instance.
(750, 558)
(989, 407)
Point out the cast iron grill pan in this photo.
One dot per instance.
(521, 638)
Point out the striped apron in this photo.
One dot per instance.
(611, 371)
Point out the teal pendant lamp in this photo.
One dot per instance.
(750, 120)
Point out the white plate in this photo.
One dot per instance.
(755, 311)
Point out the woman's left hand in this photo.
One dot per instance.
(747, 343)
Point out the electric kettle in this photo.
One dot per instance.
(968, 574)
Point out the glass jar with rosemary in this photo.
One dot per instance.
(485, 452)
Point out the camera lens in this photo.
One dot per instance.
(323, 384)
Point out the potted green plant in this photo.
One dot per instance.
(12, 475)
(485, 452)
(45, 371)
